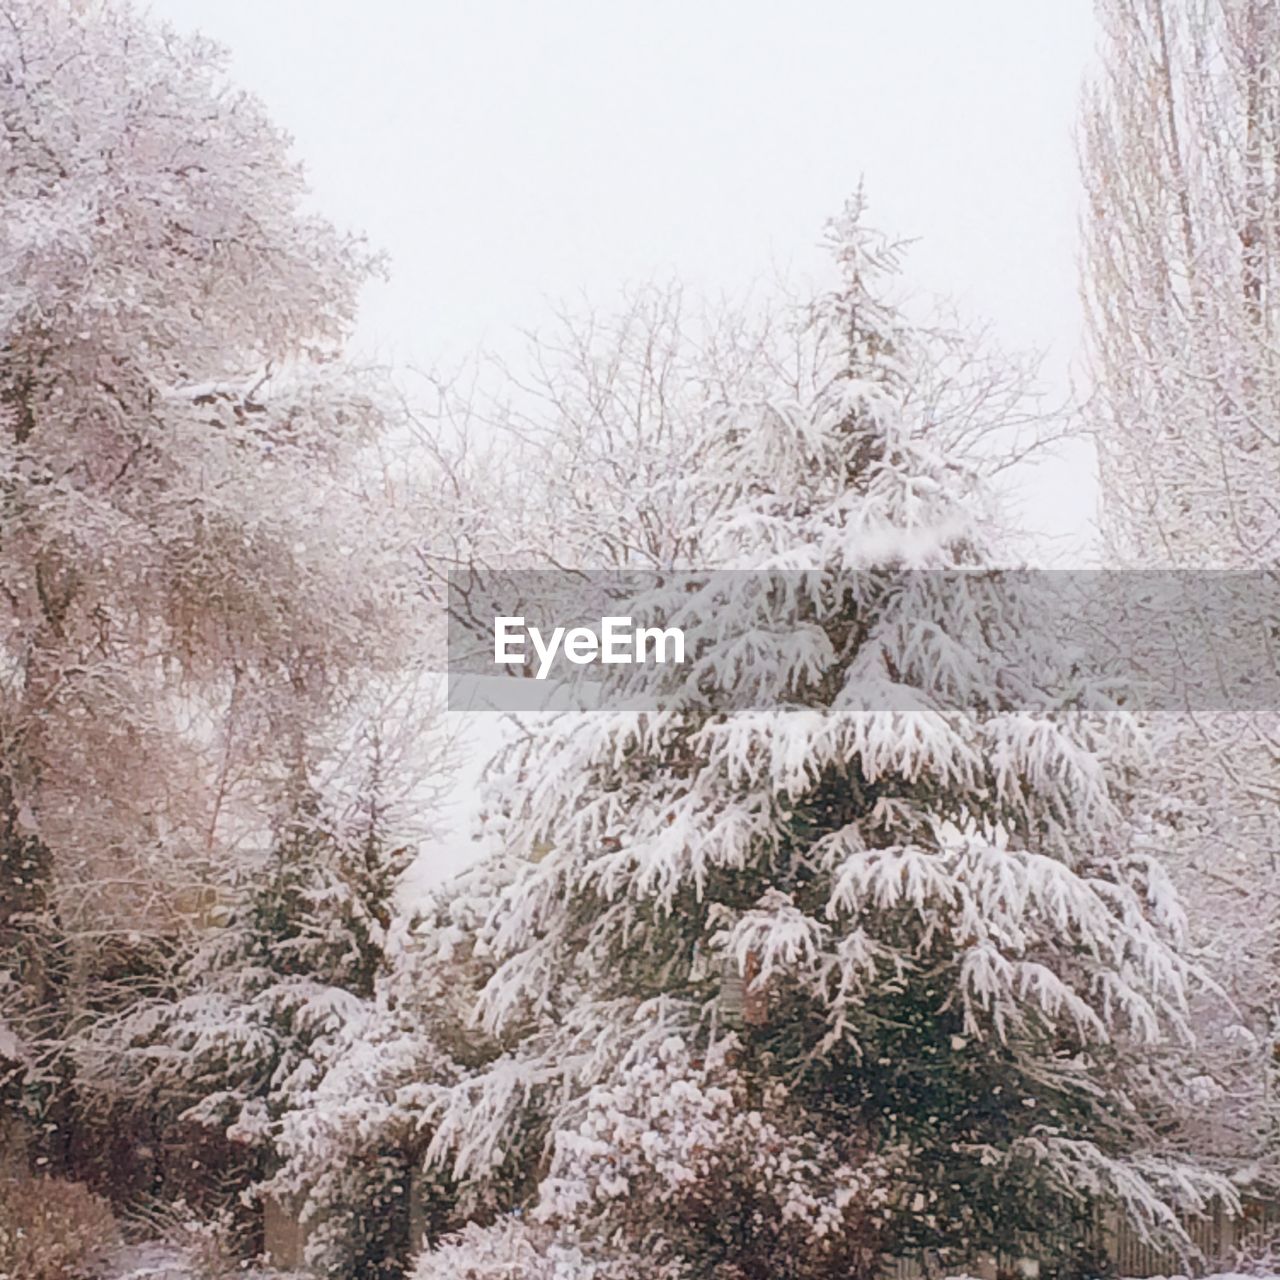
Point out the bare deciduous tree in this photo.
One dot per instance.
(1181, 162)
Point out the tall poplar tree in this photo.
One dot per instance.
(1180, 139)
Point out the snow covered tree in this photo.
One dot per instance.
(591, 441)
(1181, 134)
(266, 994)
(351, 1146)
(961, 976)
(189, 556)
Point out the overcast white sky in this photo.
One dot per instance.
(504, 150)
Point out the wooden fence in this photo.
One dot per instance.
(1218, 1239)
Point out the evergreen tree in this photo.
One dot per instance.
(265, 994)
(959, 971)
(352, 1147)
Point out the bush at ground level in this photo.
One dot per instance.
(51, 1229)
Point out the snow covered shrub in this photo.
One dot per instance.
(52, 1229)
(508, 1250)
(676, 1163)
